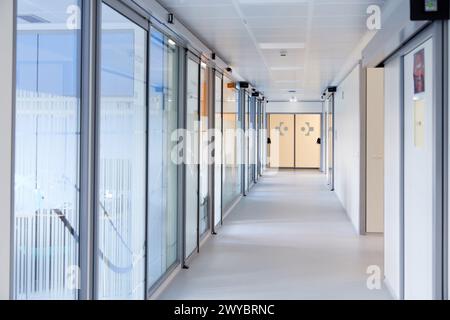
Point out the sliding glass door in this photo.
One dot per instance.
(204, 149)
(218, 150)
(246, 106)
(258, 139)
(47, 152)
(192, 157)
(163, 206)
(252, 140)
(232, 145)
(122, 145)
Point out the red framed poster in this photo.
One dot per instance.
(419, 72)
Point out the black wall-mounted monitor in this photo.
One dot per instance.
(429, 10)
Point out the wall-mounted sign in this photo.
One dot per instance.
(419, 72)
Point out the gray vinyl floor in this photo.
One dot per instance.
(288, 239)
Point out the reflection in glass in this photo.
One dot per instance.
(47, 157)
(162, 171)
(192, 149)
(122, 159)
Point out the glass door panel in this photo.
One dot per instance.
(232, 146)
(252, 138)
(121, 207)
(246, 141)
(218, 152)
(192, 157)
(47, 153)
(204, 150)
(162, 169)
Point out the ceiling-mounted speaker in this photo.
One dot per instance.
(429, 10)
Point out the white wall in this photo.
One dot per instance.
(6, 103)
(347, 145)
(295, 107)
(392, 174)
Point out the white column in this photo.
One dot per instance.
(6, 108)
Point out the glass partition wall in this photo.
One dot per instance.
(258, 138)
(246, 163)
(47, 152)
(163, 171)
(149, 208)
(204, 150)
(218, 150)
(232, 144)
(252, 141)
(192, 157)
(121, 212)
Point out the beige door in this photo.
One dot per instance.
(281, 132)
(307, 146)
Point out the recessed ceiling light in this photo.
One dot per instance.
(281, 45)
(171, 42)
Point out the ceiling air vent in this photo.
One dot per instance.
(283, 53)
(31, 18)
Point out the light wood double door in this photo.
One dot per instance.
(295, 140)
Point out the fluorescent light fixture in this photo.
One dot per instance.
(171, 42)
(281, 45)
(286, 68)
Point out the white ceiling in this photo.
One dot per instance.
(250, 34)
